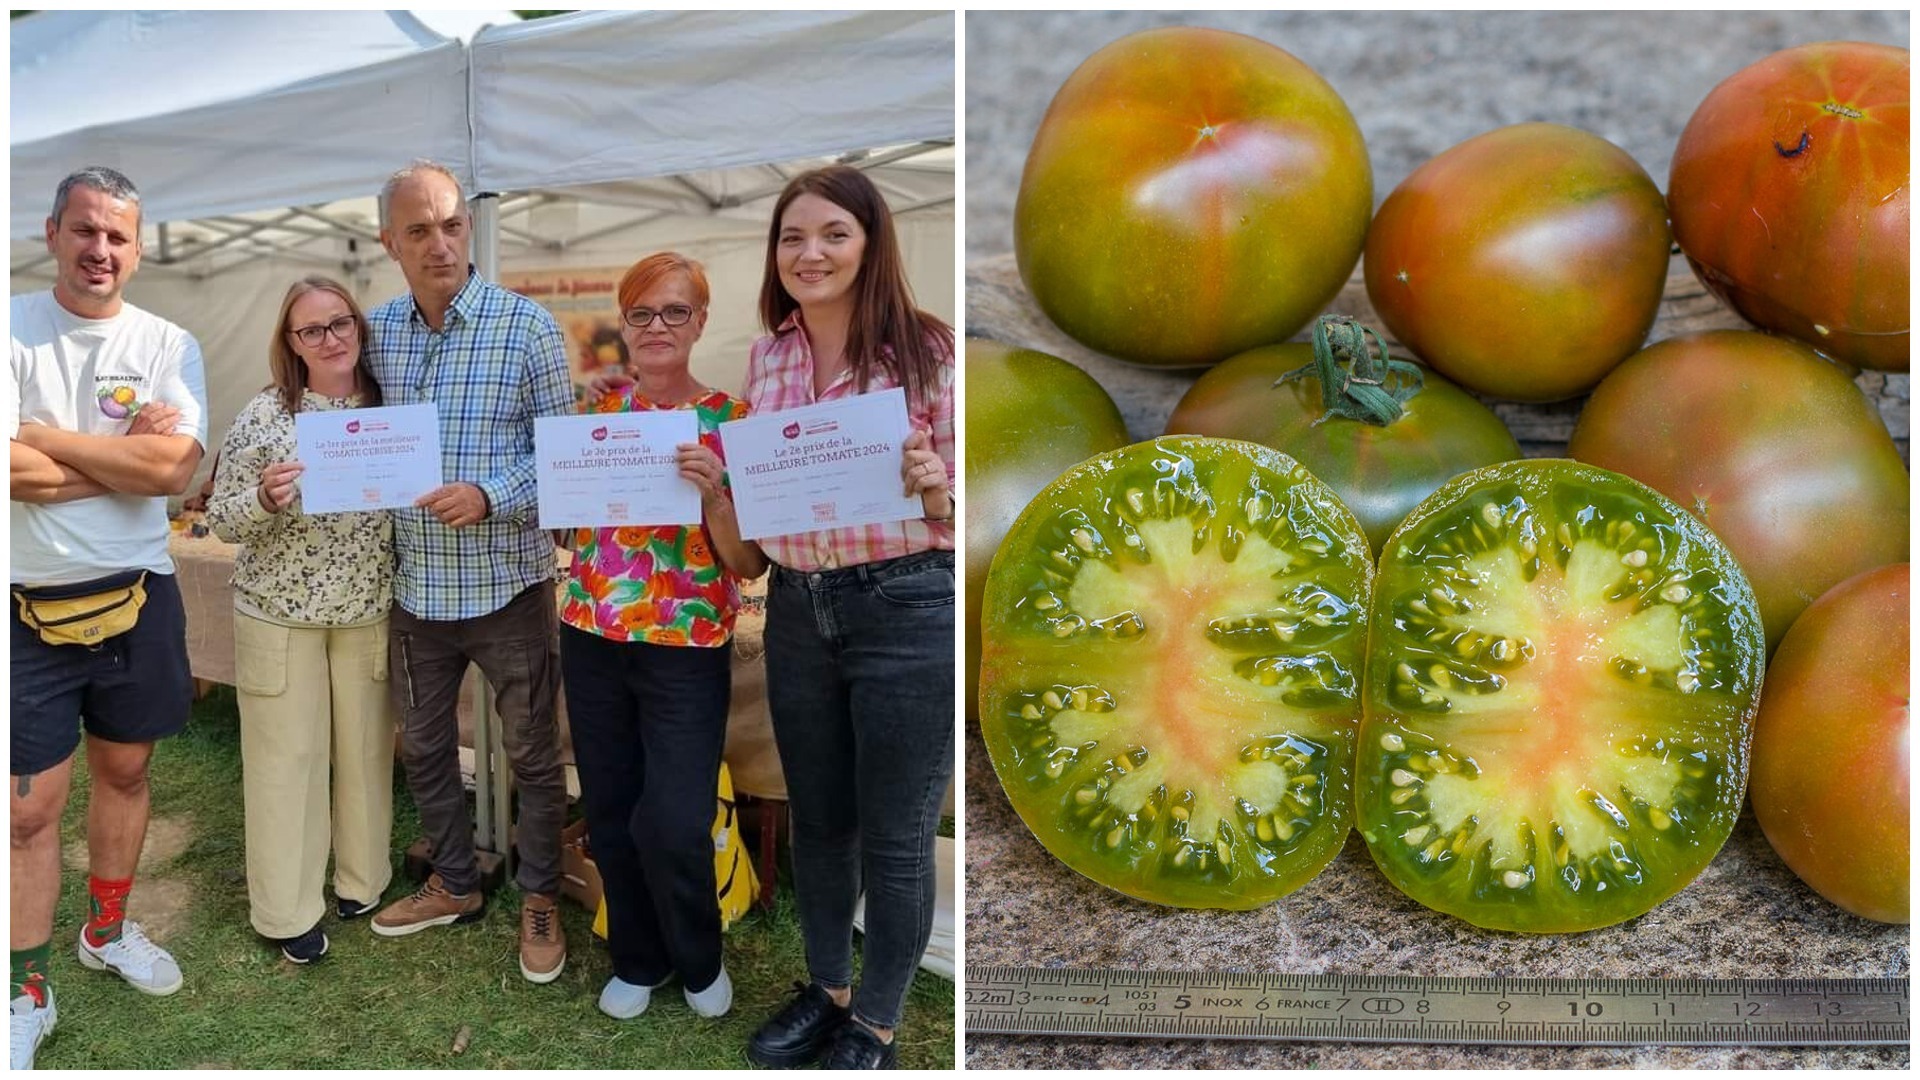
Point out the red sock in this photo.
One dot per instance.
(109, 909)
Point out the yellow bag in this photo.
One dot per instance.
(85, 614)
(735, 883)
(736, 886)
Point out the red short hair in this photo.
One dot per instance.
(647, 273)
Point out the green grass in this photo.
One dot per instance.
(380, 1003)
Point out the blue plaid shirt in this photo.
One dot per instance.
(499, 362)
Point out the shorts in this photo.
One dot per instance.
(132, 688)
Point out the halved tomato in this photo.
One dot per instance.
(1561, 683)
(1171, 670)
(1030, 416)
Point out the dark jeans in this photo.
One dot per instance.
(649, 723)
(515, 649)
(860, 684)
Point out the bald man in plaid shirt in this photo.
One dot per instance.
(473, 577)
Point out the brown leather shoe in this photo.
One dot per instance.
(543, 944)
(430, 905)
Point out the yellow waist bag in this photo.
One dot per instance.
(736, 886)
(84, 614)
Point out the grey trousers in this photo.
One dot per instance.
(516, 649)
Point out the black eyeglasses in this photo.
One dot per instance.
(311, 336)
(673, 315)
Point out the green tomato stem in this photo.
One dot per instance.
(1354, 384)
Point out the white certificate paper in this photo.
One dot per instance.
(823, 466)
(615, 469)
(367, 459)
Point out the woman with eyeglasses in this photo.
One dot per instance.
(311, 595)
(859, 636)
(645, 659)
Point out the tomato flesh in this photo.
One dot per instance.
(1562, 675)
(1030, 416)
(1170, 675)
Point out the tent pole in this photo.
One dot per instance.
(486, 234)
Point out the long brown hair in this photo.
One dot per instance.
(289, 372)
(887, 329)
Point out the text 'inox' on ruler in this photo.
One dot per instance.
(1496, 1011)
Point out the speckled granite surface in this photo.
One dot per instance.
(1745, 917)
(1417, 84)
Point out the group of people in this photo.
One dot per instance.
(348, 624)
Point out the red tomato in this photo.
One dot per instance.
(1523, 263)
(1831, 775)
(1790, 196)
(1191, 194)
(1773, 447)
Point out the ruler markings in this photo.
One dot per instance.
(1451, 1009)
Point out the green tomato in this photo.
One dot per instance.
(1171, 670)
(1559, 700)
(1771, 445)
(1030, 417)
(1381, 471)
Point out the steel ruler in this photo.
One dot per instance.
(1496, 1011)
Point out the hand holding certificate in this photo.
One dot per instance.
(367, 459)
(824, 466)
(615, 469)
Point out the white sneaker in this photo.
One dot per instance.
(145, 966)
(30, 1026)
(623, 1000)
(715, 1000)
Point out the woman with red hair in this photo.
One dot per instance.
(646, 623)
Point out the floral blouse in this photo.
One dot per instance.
(293, 568)
(663, 585)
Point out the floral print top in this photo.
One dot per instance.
(663, 585)
(294, 568)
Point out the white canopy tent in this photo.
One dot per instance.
(257, 140)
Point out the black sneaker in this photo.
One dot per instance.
(306, 948)
(798, 1034)
(855, 1046)
(353, 909)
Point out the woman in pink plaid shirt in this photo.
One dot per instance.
(859, 624)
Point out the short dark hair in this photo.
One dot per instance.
(106, 181)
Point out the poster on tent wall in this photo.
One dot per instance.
(582, 301)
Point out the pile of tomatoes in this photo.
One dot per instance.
(1333, 596)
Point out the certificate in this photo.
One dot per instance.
(615, 469)
(823, 466)
(367, 459)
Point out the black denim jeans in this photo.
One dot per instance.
(860, 685)
(649, 723)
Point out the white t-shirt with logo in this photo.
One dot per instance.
(91, 376)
